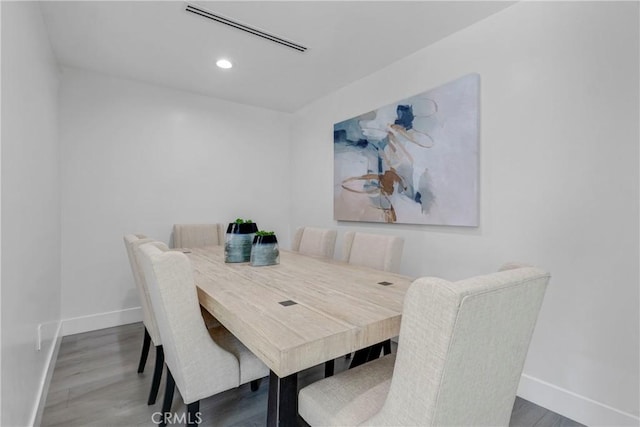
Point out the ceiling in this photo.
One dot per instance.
(160, 43)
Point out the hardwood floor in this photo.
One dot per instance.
(95, 384)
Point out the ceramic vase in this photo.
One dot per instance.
(264, 251)
(238, 241)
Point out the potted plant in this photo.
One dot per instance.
(238, 240)
(264, 250)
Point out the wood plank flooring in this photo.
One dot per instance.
(95, 384)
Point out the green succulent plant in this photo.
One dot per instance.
(243, 221)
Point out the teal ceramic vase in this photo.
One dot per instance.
(264, 251)
(238, 241)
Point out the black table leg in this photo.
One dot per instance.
(272, 402)
(283, 401)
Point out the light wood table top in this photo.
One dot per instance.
(339, 308)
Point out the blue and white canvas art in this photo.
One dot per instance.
(414, 161)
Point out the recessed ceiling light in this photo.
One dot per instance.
(224, 63)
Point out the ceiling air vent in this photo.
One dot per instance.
(256, 32)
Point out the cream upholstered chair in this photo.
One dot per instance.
(319, 242)
(314, 241)
(373, 250)
(200, 362)
(151, 334)
(460, 356)
(197, 235)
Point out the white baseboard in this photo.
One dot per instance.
(93, 322)
(52, 356)
(72, 326)
(574, 406)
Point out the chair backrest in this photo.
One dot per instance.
(199, 366)
(314, 241)
(462, 348)
(132, 241)
(373, 250)
(197, 235)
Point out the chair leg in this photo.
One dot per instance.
(255, 385)
(193, 413)
(386, 347)
(360, 357)
(329, 367)
(365, 355)
(145, 351)
(168, 397)
(157, 375)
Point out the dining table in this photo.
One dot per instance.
(299, 313)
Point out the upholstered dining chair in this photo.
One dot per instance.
(314, 241)
(320, 242)
(151, 334)
(197, 235)
(373, 250)
(460, 356)
(200, 362)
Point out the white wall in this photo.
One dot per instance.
(30, 209)
(559, 185)
(139, 158)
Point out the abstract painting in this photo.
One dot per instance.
(414, 161)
